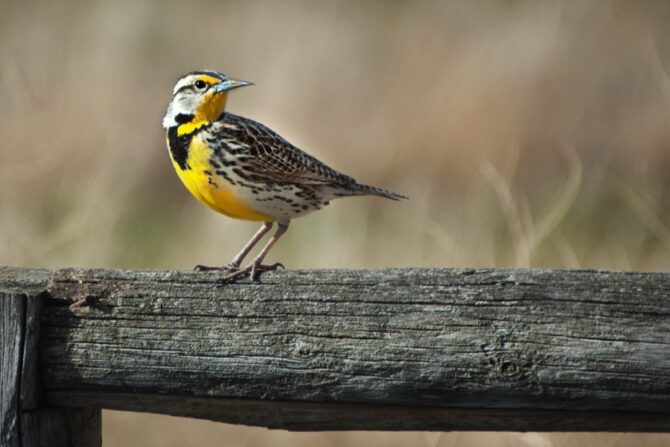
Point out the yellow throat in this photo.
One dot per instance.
(209, 110)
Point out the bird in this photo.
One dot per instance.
(243, 169)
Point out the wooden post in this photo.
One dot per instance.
(25, 422)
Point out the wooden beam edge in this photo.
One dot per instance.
(311, 416)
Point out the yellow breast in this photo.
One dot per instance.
(212, 189)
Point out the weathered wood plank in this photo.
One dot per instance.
(64, 427)
(31, 386)
(24, 281)
(12, 316)
(25, 422)
(437, 348)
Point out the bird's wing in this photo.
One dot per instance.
(266, 154)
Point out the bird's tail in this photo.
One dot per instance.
(367, 190)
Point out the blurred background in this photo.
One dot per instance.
(527, 133)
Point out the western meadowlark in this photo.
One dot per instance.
(244, 170)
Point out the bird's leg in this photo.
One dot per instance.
(262, 231)
(237, 260)
(256, 266)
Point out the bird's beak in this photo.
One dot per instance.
(230, 84)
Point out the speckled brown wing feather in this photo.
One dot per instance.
(266, 154)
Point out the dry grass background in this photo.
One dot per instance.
(527, 133)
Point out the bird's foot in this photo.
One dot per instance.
(252, 270)
(230, 267)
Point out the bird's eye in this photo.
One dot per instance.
(200, 85)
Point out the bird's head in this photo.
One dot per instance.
(199, 98)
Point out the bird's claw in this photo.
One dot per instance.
(252, 270)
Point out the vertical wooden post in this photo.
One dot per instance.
(24, 421)
(12, 316)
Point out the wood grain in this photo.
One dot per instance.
(12, 317)
(399, 349)
(24, 419)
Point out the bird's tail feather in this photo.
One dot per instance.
(367, 190)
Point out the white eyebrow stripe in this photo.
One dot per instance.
(188, 80)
